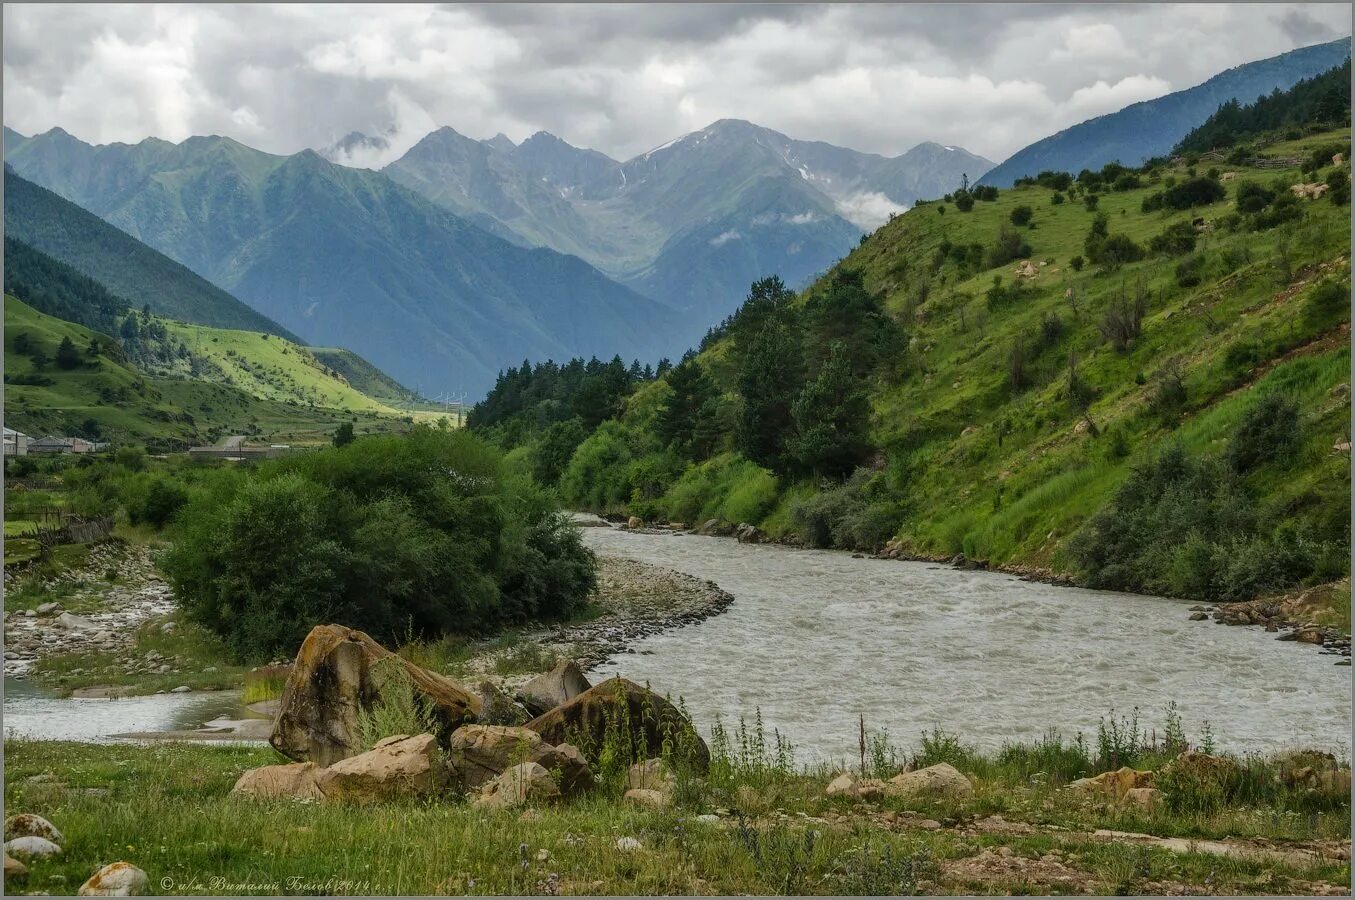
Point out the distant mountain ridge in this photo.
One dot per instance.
(690, 223)
(1153, 127)
(72, 235)
(347, 257)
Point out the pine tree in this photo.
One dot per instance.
(67, 355)
(678, 417)
(832, 417)
(768, 379)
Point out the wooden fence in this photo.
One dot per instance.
(73, 531)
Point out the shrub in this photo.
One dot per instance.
(156, 501)
(859, 515)
(1188, 526)
(1269, 432)
(1091, 201)
(1009, 246)
(1194, 191)
(1190, 271)
(726, 488)
(1056, 199)
(421, 536)
(1175, 240)
(1077, 262)
(1021, 216)
(1252, 197)
(1327, 304)
(964, 202)
(1116, 250)
(1338, 187)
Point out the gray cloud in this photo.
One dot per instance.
(621, 78)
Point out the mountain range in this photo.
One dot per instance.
(347, 257)
(1153, 127)
(691, 223)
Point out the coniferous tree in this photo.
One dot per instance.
(832, 417)
(679, 416)
(768, 379)
(67, 355)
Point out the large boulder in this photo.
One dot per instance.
(32, 847)
(497, 708)
(524, 783)
(119, 879)
(940, 780)
(560, 685)
(294, 781)
(1115, 785)
(398, 766)
(31, 825)
(481, 753)
(336, 675)
(623, 704)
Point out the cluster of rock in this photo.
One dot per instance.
(335, 677)
(938, 781)
(31, 837)
(639, 600)
(51, 629)
(1278, 615)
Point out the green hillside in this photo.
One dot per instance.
(102, 396)
(1021, 362)
(362, 375)
(117, 260)
(267, 367)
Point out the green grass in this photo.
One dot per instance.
(124, 404)
(167, 809)
(271, 368)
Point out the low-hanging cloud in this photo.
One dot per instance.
(619, 78)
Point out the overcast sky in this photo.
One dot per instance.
(620, 78)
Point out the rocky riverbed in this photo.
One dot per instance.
(89, 611)
(634, 600)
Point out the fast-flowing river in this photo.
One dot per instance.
(816, 638)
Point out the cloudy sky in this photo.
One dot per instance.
(620, 78)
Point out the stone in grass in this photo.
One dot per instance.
(30, 825)
(647, 797)
(14, 869)
(32, 847)
(628, 845)
(940, 780)
(119, 879)
(521, 784)
(181, 689)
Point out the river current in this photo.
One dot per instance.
(816, 638)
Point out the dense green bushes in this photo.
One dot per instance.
(1189, 526)
(400, 536)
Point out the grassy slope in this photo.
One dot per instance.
(361, 374)
(1018, 502)
(128, 404)
(272, 368)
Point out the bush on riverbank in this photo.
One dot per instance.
(415, 536)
